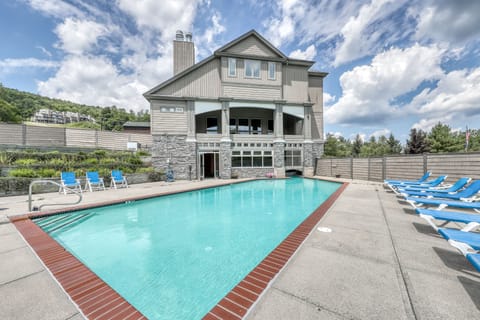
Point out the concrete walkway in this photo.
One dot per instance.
(379, 262)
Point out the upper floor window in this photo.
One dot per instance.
(232, 67)
(212, 125)
(252, 69)
(271, 70)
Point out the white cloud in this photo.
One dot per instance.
(94, 81)
(206, 43)
(451, 21)
(456, 95)
(165, 16)
(28, 63)
(309, 54)
(382, 132)
(358, 39)
(368, 90)
(55, 8)
(78, 36)
(327, 98)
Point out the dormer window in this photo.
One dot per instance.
(232, 67)
(252, 69)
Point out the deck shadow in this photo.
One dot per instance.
(425, 229)
(456, 261)
(472, 287)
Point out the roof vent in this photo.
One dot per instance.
(179, 35)
(188, 36)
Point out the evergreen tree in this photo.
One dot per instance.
(394, 146)
(441, 139)
(357, 146)
(417, 143)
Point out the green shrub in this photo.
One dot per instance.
(24, 172)
(90, 161)
(143, 153)
(107, 161)
(99, 153)
(47, 173)
(135, 161)
(26, 162)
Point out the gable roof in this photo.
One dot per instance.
(223, 52)
(252, 33)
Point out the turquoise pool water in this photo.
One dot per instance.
(176, 256)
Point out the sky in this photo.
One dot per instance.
(393, 64)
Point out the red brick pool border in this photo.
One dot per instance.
(97, 300)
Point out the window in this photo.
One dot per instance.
(232, 67)
(256, 126)
(252, 69)
(243, 126)
(233, 125)
(212, 125)
(251, 159)
(271, 70)
(293, 158)
(270, 126)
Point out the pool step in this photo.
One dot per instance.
(51, 224)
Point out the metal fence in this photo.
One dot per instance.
(409, 167)
(38, 136)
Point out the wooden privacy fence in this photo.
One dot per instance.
(409, 167)
(37, 136)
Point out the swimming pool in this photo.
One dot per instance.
(175, 256)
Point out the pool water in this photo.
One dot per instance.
(176, 256)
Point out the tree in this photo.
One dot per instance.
(357, 146)
(417, 143)
(394, 146)
(441, 139)
(331, 146)
(9, 113)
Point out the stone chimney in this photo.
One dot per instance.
(183, 52)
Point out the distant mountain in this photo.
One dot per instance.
(17, 106)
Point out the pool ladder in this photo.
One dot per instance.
(50, 204)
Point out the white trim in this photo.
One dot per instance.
(234, 65)
(274, 64)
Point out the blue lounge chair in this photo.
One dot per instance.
(69, 183)
(462, 182)
(422, 179)
(442, 203)
(429, 184)
(471, 220)
(468, 243)
(118, 180)
(467, 194)
(93, 181)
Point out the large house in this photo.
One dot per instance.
(248, 110)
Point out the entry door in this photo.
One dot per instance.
(209, 165)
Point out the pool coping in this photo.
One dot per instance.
(96, 299)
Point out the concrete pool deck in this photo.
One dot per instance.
(379, 262)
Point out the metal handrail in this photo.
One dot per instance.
(51, 204)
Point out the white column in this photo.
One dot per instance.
(278, 121)
(226, 120)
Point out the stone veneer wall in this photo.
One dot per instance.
(225, 160)
(308, 159)
(178, 151)
(279, 159)
(251, 172)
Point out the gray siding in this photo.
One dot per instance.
(252, 92)
(252, 46)
(203, 82)
(168, 122)
(295, 86)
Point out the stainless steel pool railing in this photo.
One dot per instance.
(79, 194)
